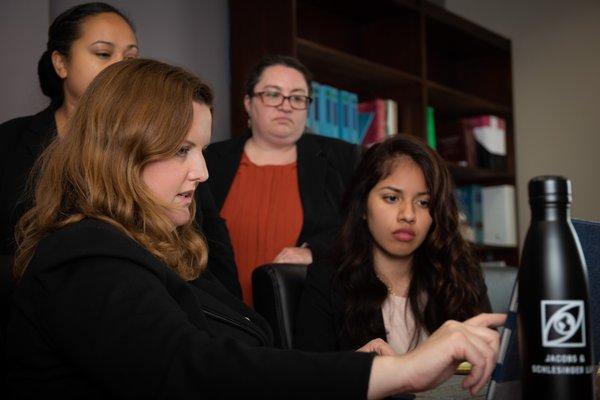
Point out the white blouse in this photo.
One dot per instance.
(399, 323)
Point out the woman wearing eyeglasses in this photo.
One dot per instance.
(279, 188)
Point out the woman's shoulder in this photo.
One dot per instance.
(330, 143)
(322, 271)
(13, 129)
(88, 238)
(337, 151)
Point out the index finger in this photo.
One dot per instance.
(485, 319)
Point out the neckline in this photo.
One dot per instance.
(246, 159)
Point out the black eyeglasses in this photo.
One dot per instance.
(275, 99)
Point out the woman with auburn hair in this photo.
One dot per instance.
(113, 298)
(82, 41)
(401, 268)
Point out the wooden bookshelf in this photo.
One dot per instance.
(411, 51)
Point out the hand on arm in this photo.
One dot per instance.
(436, 359)
(379, 346)
(294, 255)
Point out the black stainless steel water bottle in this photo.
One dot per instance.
(554, 322)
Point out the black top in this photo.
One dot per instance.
(318, 325)
(97, 315)
(23, 139)
(325, 167)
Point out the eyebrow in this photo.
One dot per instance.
(280, 89)
(130, 46)
(191, 144)
(395, 189)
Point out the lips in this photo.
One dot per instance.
(404, 235)
(186, 197)
(283, 120)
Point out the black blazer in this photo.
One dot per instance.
(319, 319)
(97, 315)
(21, 142)
(325, 167)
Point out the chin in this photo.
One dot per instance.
(179, 219)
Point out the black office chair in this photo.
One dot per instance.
(500, 282)
(276, 292)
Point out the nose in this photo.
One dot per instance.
(198, 171)
(286, 105)
(406, 212)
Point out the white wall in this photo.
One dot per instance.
(23, 35)
(191, 33)
(556, 81)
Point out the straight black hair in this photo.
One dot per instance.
(65, 29)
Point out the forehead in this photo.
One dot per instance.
(403, 171)
(201, 127)
(282, 76)
(107, 26)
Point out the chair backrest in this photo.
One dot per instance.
(499, 282)
(276, 292)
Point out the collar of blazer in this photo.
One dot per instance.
(40, 130)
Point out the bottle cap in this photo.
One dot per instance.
(549, 189)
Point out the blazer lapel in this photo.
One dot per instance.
(312, 165)
(225, 168)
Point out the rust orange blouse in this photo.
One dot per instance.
(263, 212)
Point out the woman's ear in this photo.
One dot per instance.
(60, 64)
(247, 104)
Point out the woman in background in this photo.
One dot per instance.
(113, 297)
(82, 41)
(401, 268)
(277, 188)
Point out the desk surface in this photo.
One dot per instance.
(451, 390)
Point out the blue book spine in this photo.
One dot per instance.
(323, 111)
(313, 112)
(333, 122)
(344, 116)
(462, 201)
(354, 130)
(476, 213)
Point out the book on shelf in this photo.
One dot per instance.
(469, 201)
(499, 215)
(333, 113)
(431, 135)
(489, 132)
(378, 120)
(478, 141)
(391, 117)
(348, 116)
(313, 117)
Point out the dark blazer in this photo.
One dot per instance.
(21, 142)
(318, 325)
(325, 167)
(97, 315)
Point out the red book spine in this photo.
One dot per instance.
(377, 130)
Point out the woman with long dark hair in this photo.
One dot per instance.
(401, 268)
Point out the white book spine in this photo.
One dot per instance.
(499, 215)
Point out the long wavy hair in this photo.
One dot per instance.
(133, 113)
(446, 283)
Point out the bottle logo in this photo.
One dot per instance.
(563, 323)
